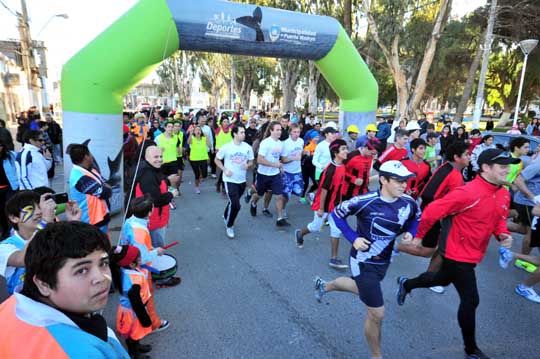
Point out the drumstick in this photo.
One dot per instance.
(170, 245)
(149, 268)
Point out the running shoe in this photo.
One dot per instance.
(267, 213)
(337, 264)
(230, 232)
(248, 195)
(164, 325)
(476, 354)
(213, 175)
(401, 293)
(505, 257)
(282, 222)
(198, 190)
(253, 210)
(298, 238)
(320, 288)
(526, 266)
(303, 200)
(437, 289)
(528, 293)
(172, 205)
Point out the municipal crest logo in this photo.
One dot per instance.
(275, 30)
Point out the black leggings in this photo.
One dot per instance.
(308, 172)
(200, 169)
(212, 157)
(463, 277)
(234, 193)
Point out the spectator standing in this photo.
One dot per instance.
(55, 134)
(5, 136)
(33, 162)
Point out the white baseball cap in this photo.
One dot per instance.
(395, 169)
(412, 125)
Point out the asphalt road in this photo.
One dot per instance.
(252, 297)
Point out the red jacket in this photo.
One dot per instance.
(470, 215)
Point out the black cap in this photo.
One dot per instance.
(329, 129)
(495, 155)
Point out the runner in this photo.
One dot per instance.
(269, 174)
(168, 143)
(396, 152)
(291, 157)
(234, 159)
(381, 217)
(327, 197)
(358, 169)
(198, 155)
(418, 166)
(470, 215)
(322, 157)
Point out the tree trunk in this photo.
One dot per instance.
(429, 54)
(462, 106)
(245, 91)
(313, 80)
(347, 16)
(289, 71)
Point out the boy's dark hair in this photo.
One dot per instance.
(77, 153)
(32, 135)
(430, 126)
(486, 137)
(432, 135)
(518, 143)
(19, 201)
(235, 129)
(401, 133)
(456, 149)
(417, 142)
(335, 145)
(141, 206)
(475, 132)
(42, 124)
(52, 246)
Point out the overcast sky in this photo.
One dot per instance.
(87, 19)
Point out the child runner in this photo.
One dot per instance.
(417, 165)
(132, 321)
(327, 197)
(381, 216)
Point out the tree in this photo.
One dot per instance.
(388, 21)
(214, 70)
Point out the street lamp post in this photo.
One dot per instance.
(526, 47)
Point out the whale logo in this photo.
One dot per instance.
(275, 30)
(253, 22)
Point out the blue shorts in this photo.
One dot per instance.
(269, 183)
(368, 279)
(293, 183)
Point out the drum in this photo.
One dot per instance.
(166, 265)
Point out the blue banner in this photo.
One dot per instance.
(241, 29)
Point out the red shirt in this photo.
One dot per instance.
(445, 178)
(332, 180)
(393, 153)
(416, 184)
(470, 214)
(358, 166)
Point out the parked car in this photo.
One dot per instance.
(503, 139)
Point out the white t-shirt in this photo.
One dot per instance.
(321, 156)
(292, 149)
(208, 134)
(234, 157)
(270, 149)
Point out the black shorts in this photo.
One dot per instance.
(169, 168)
(368, 278)
(180, 162)
(431, 239)
(269, 183)
(524, 214)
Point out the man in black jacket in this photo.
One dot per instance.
(5, 136)
(55, 134)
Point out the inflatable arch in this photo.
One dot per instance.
(95, 80)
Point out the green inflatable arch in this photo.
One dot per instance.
(95, 80)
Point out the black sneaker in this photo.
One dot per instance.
(253, 210)
(298, 238)
(267, 213)
(476, 354)
(401, 293)
(145, 348)
(282, 222)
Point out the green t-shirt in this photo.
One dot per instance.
(430, 154)
(169, 147)
(514, 171)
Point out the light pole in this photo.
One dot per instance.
(526, 47)
(63, 16)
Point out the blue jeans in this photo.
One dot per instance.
(158, 237)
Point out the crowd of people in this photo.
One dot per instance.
(440, 194)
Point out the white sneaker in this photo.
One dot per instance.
(528, 293)
(437, 289)
(230, 232)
